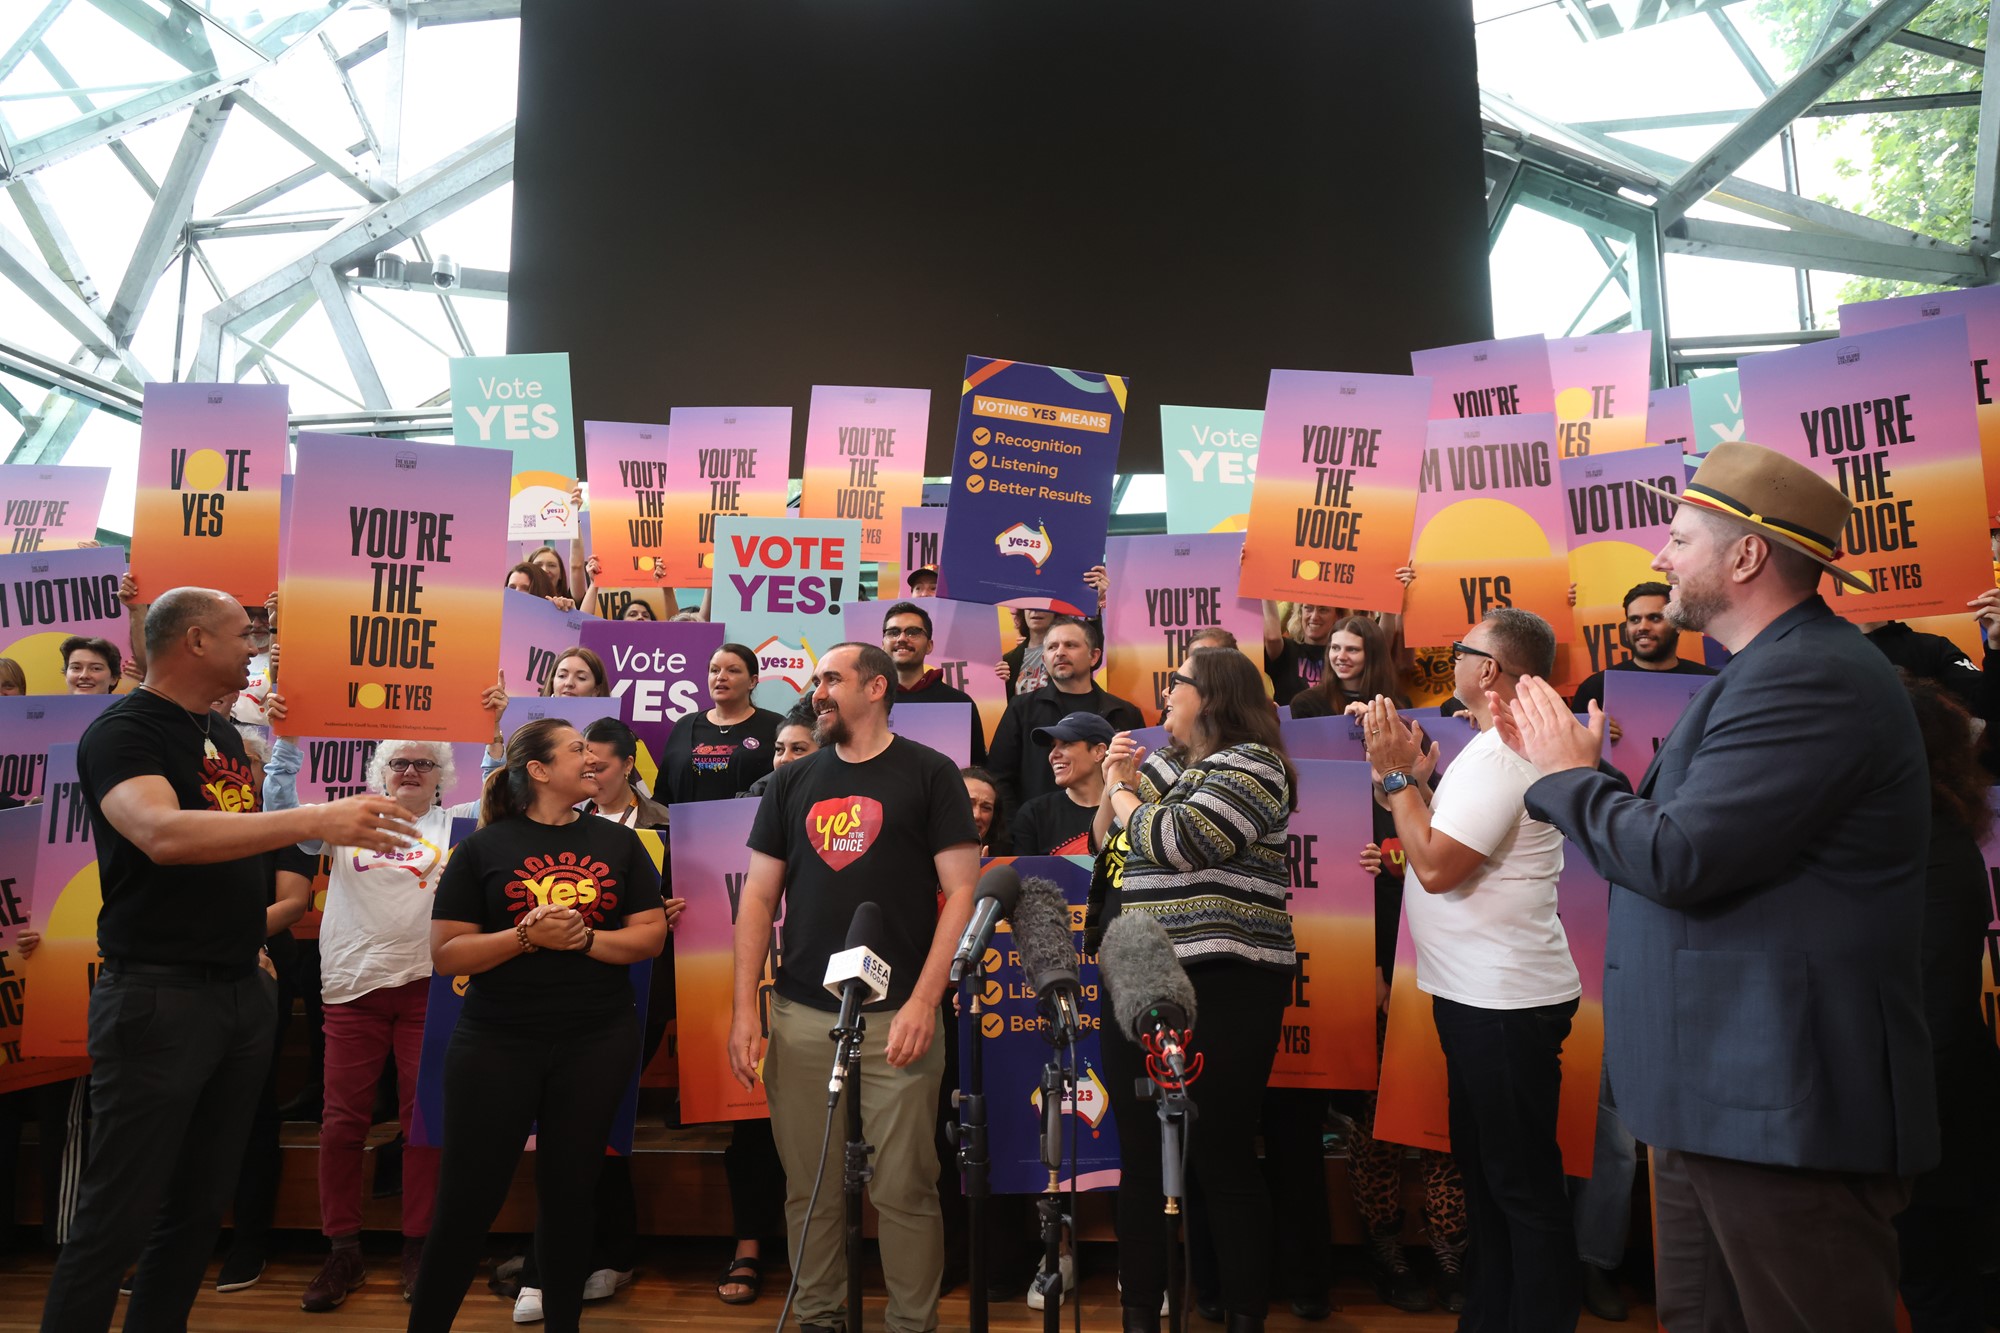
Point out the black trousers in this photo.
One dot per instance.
(179, 1062)
(257, 1183)
(1239, 1010)
(499, 1083)
(1504, 1070)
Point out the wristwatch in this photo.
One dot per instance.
(1396, 781)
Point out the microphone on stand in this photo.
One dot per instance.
(1151, 995)
(1042, 933)
(999, 887)
(858, 976)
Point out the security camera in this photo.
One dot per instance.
(444, 273)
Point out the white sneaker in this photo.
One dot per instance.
(605, 1282)
(528, 1306)
(1068, 1268)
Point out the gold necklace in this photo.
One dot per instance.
(208, 720)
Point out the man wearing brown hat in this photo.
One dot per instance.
(1764, 1027)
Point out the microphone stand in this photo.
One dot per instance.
(1055, 1087)
(1174, 1109)
(970, 1137)
(855, 1171)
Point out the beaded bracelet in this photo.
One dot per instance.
(521, 934)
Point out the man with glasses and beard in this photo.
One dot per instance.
(872, 817)
(1654, 641)
(906, 637)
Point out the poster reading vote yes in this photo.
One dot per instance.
(780, 584)
(1209, 455)
(50, 508)
(658, 670)
(522, 404)
(865, 460)
(391, 623)
(210, 460)
(1602, 388)
(1031, 483)
(1885, 417)
(1335, 498)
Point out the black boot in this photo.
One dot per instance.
(1243, 1323)
(1140, 1319)
(1396, 1283)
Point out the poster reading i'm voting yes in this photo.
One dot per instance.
(522, 404)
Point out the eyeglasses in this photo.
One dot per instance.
(1177, 678)
(907, 632)
(258, 638)
(1461, 649)
(412, 765)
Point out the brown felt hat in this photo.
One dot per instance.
(1784, 500)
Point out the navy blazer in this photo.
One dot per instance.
(1762, 991)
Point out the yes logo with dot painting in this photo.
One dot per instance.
(211, 469)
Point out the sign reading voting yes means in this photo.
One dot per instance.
(522, 404)
(1031, 484)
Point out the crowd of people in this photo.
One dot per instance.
(1792, 986)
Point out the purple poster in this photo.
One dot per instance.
(659, 670)
(1500, 377)
(1645, 705)
(965, 647)
(923, 540)
(533, 632)
(946, 728)
(29, 725)
(49, 507)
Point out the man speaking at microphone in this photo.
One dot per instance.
(870, 817)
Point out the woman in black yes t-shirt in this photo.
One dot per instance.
(716, 754)
(543, 909)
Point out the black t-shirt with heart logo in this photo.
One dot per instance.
(855, 833)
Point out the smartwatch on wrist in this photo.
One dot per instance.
(1395, 782)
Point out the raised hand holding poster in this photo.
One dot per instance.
(1601, 384)
(392, 601)
(1164, 591)
(1209, 455)
(50, 507)
(210, 461)
(46, 596)
(627, 466)
(722, 460)
(1500, 377)
(865, 460)
(1615, 529)
(1489, 527)
(1885, 417)
(1336, 494)
(1328, 1037)
(1980, 307)
(1031, 482)
(780, 585)
(521, 404)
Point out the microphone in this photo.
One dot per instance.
(1048, 956)
(999, 887)
(1151, 995)
(858, 976)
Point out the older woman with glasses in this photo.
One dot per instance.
(375, 976)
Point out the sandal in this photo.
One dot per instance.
(743, 1271)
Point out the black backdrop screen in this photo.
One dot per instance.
(722, 203)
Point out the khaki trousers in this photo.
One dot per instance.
(899, 1119)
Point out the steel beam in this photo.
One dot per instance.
(46, 230)
(1783, 106)
(31, 36)
(429, 13)
(440, 190)
(1938, 46)
(319, 156)
(1836, 254)
(169, 216)
(347, 331)
(24, 268)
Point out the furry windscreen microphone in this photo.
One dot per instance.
(1149, 988)
(1042, 934)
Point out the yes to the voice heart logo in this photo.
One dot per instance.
(843, 828)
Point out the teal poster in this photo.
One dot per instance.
(1716, 404)
(522, 404)
(1209, 455)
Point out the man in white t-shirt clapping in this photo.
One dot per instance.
(1492, 955)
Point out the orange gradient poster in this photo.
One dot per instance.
(1603, 387)
(627, 466)
(1489, 527)
(1615, 528)
(1414, 1103)
(20, 830)
(391, 606)
(1328, 1036)
(1164, 591)
(67, 900)
(1980, 308)
(865, 460)
(709, 841)
(1334, 502)
(721, 460)
(1886, 418)
(211, 463)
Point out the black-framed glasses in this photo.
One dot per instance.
(412, 765)
(907, 632)
(1459, 649)
(1177, 678)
